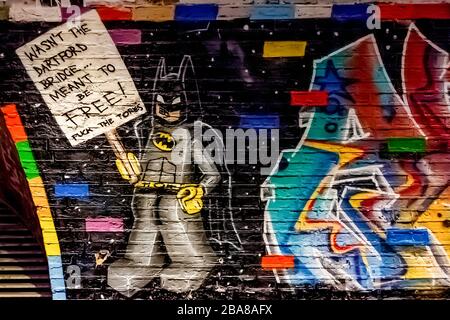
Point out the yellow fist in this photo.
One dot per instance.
(190, 198)
(129, 168)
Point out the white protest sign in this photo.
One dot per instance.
(82, 78)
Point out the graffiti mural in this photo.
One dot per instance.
(380, 168)
(177, 151)
(168, 198)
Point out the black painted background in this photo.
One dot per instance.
(233, 79)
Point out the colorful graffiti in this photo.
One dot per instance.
(362, 202)
(167, 154)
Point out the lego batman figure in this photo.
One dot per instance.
(171, 238)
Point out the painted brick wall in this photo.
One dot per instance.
(346, 124)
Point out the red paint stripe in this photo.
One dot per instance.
(14, 123)
(277, 262)
(415, 11)
(311, 204)
(309, 98)
(109, 13)
(336, 228)
(341, 249)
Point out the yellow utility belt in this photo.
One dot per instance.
(162, 185)
(189, 195)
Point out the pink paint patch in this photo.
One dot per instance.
(104, 225)
(126, 36)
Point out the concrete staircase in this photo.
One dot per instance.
(23, 265)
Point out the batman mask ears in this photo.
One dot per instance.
(185, 66)
(161, 71)
(186, 74)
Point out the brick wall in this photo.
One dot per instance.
(351, 114)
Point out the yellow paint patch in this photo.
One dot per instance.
(420, 264)
(278, 49)
(50, 237)
(346, 154)
(154, 13)
(44, 212)
(435, 216)
(45, 216)
(47, 224)
(39, 197)
(51, 248)
(356, 199)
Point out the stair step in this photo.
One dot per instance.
(7, 294)
(10, 220)
(21, 276)
(7, 214)
(22, 268)
(23, 260)
(12, 227)
(19, 252)
(19, 228)
(24, 285)
(6, 237)
(7, 224)
(16, 233)
(23, 265)
(18, 244)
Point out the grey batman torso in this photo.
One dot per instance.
(172, 155)
(166, 155)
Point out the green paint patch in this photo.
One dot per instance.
(406, 145)
(27, 160)
(4, 13)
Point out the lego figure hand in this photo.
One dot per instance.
(129, 168)
(190, 198)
